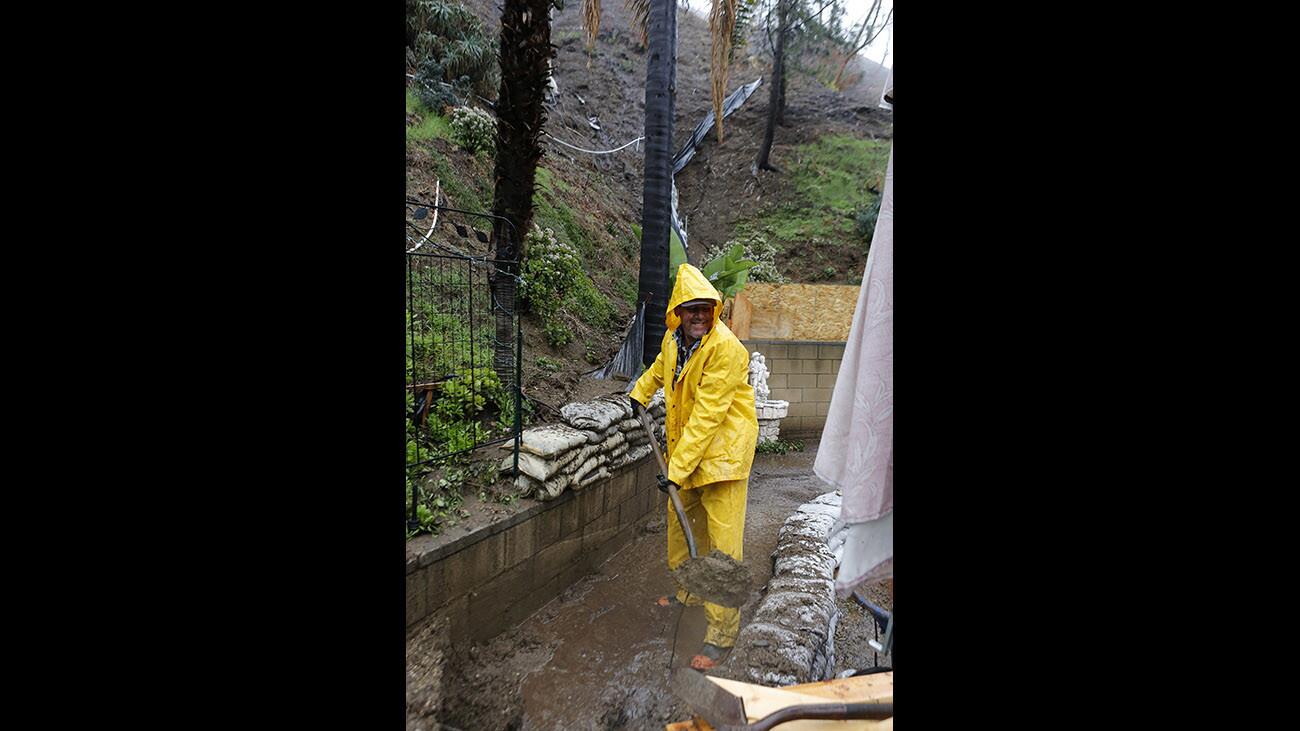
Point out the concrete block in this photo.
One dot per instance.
(591, 501)
(813, 423)
(802, 380)
(520, 542)
(610, 545)
(475, 565)
(803, 408)
(803, 351)
(835, 366)
(793, 395)
(598, 531)
(771, 350)
(437, 581)
(777, 380)
(456, 612)
(817, 366)
(818, 394)
(487, 602)
(782, 365)
(823, 409)
(416, 600)
(570, 517)
(621, 487)
(826, 380)
(556, 558)
(548, 526)
(830, 352)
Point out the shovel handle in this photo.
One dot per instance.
(828, 711)
(644, 417)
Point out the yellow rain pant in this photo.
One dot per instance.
(717, 515)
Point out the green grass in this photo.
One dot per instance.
(838, 171)
(551, 212)
(832, 178)
(431, 125)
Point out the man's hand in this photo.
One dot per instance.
(637, 408)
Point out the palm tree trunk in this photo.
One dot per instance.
(526, 51)
(661, 73)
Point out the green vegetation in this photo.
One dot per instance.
(756, 249)
(550, 272)
(428, 128)
(474, 129)
(547, 364)
(836, 179)
(779, 446)
(452, 46)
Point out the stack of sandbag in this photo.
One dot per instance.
(596, 438)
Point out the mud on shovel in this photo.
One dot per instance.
(717, 578)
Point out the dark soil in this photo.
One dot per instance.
(599, 656)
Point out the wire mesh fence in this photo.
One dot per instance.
(463, 343)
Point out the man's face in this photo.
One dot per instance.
(697, 319)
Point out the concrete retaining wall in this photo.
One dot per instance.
(495, 577)
(803, 373)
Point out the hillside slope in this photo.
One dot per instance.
(594, 201)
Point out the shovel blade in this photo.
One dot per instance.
(708, 699)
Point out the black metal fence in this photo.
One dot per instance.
(462, 379)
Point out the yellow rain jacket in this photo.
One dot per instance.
(710, 424)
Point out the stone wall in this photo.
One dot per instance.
(591, 480)
(491, 579)
(802, 373)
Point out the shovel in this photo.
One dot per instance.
(729, 586)
(726, 712)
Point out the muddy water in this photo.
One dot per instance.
(599, 655)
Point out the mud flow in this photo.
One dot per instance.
(601, 654)
(717, 578)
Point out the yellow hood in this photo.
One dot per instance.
(691, 285)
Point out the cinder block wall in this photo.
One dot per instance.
(495, 577)
(803, 373)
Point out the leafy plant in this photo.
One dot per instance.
(728, 272)
(451, 35)
(756, 248)
(865, 218)
(550, 270)
(547, 364)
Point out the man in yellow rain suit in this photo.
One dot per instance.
(712, 431)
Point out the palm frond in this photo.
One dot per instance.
(722, 23)
(640, 10)
(591, 21)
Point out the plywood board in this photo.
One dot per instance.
(809, 312)
(761, 701)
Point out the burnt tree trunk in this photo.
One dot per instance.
(525, 53)
(656, 204)
(776, 94)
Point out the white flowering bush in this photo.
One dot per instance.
(473, 129)
(758, 249)
(550, 270)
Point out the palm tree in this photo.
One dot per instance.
(525, 55)
(657, 20)
(656, 206)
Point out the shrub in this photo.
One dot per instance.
(473, 129)
(865, 218)
(758, 249)
(549, 272)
